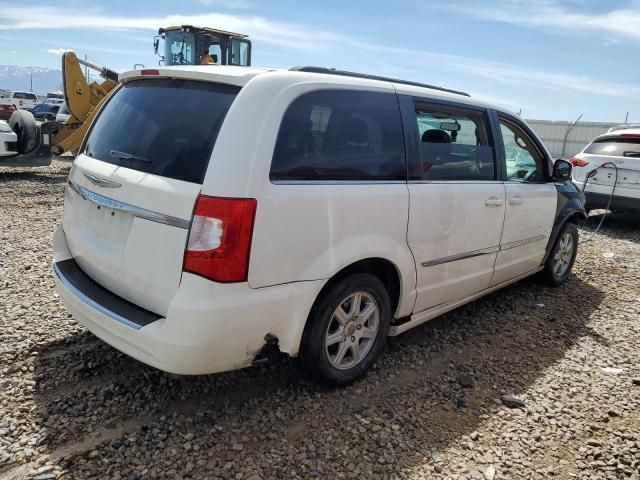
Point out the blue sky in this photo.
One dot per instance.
(552, 59)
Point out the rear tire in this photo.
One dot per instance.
(24, 125)
(346, 331)
(562, 256)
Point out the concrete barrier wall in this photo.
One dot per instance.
(554, 135)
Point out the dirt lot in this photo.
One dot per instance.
(73, 407)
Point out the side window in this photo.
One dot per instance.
(454, 145)
(340, 135)
(524, 162)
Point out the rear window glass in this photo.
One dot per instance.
(616, 147)
(164, 127)
(27, 96)
(340, 135)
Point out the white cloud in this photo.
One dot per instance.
(58, 51)
(548, 14)
(13, 52)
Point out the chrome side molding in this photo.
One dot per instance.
(460, 256)
(125, 208)
(483, 251)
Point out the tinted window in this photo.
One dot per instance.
(524, 162)
(616, 147)
(161, 126)
(454, 145)
(340, 135)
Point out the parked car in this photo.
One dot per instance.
(8, 141)
(23, 100)
(6, 109)
(45, 111)
(592, 166)
(53, 101)
(63, 113)
(624, 126)
(312, 211)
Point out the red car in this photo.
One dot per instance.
(6, 110)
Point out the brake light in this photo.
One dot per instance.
(578, 162)
(149, 71)
(220, 238)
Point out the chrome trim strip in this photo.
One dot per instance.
(484, 251)
(122, 207)
(454, 182)
(520, 243)
(96, 306)
(460, 256)
(338, 182)
(103, 182)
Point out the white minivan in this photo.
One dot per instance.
(213, 213)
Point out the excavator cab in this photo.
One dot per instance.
(189, 45)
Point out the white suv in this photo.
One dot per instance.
(608, 170)
(212, 213)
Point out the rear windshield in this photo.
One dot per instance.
(616, 147)
(165, 127)
(24, 95)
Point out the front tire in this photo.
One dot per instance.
(346, 330)
(562, 256)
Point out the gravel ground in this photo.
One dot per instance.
(73, 407)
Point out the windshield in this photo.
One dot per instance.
(179, 48)
(166, 127)
(616, 147)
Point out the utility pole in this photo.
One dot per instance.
(31, 82)
(626, 119)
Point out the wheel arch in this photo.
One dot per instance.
(383, 269)
(572, 211)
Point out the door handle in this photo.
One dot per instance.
(516, 201)
(494, 202)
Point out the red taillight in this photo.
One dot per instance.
(578, 162)
(220, 238)
(149, 71)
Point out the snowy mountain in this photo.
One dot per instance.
(45, 79)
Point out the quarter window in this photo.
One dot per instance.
(454, 145)
(525, 163)
(340, 135)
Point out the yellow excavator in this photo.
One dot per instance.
(183, 45)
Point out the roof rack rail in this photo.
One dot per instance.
(346, 73)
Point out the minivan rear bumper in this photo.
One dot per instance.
(209, 327)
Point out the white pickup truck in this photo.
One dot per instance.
(24, 100)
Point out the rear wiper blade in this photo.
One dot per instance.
(128, 156)
(631, 153)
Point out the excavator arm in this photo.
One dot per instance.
(83, 100)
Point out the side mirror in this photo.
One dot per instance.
(562, 170)
(156, 44)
